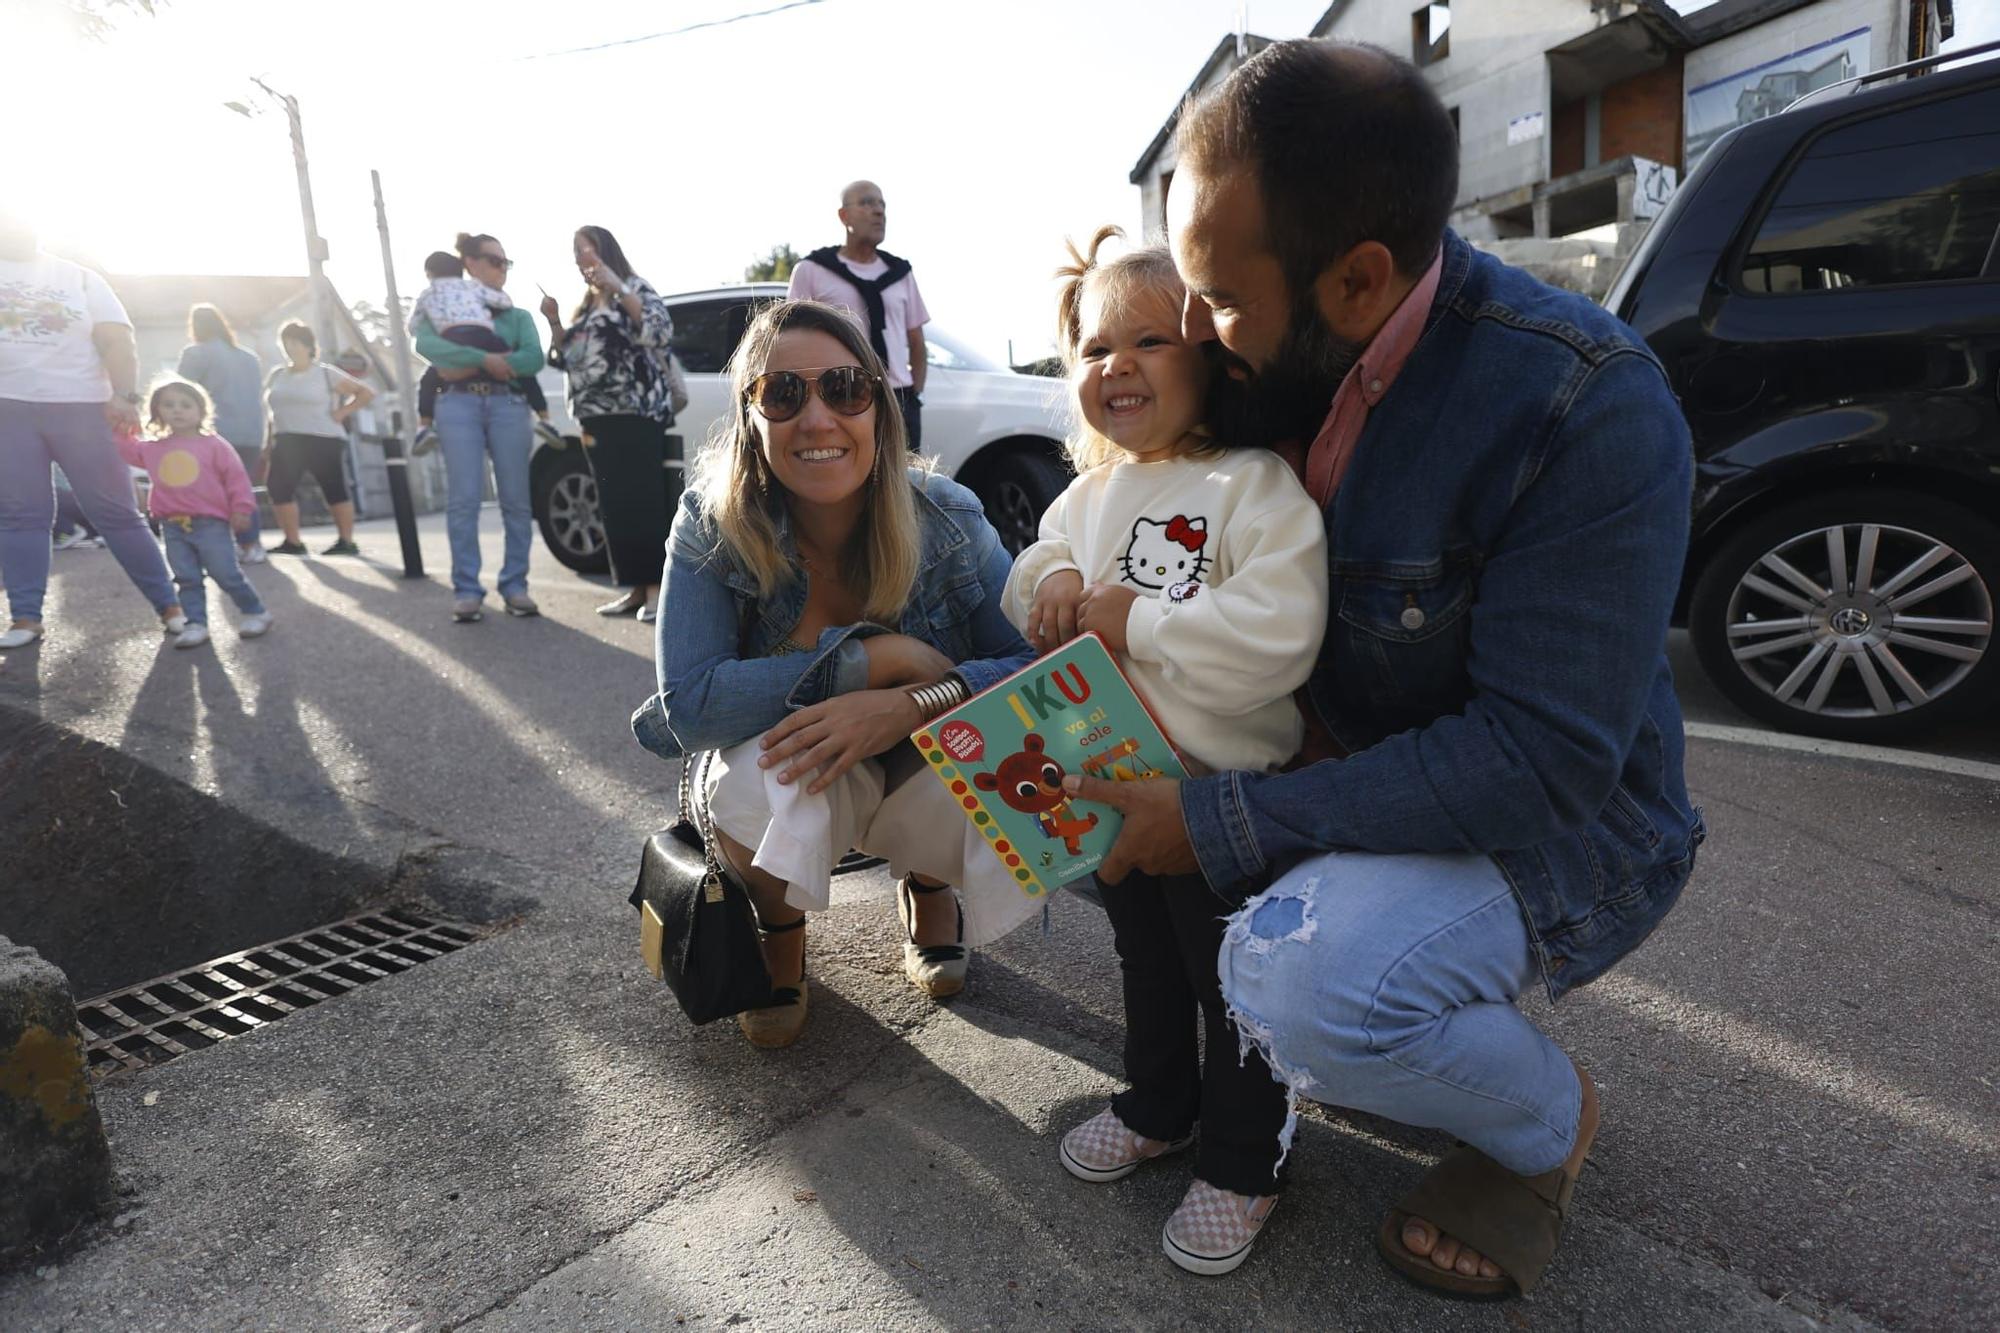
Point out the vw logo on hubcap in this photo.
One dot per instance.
(1850, 622)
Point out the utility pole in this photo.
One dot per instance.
(316, 250)
(392, 444)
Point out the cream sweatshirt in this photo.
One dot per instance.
(1228, 556)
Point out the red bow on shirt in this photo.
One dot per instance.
(1186, 533)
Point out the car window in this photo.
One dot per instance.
(1910, 196)
(949, 353)
(706, 332)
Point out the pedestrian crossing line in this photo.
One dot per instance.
(1877, 754)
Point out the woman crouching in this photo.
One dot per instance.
(822, 599)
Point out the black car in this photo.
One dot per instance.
(1824, 291)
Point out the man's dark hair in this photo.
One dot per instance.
(443, 264)
(1347, 143)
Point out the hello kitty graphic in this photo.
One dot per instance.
(1166, 556)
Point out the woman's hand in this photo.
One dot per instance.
(551, 311)
(600, 275)
(497, 368)
(1052, 618)
(1103, 611)
(896, 660)
(834, 735)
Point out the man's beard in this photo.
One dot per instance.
(1288, 399)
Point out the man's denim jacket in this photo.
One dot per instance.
(1504, 551)
(719, 684)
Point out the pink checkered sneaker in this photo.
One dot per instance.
(1213, 1229)
(1102, 1148)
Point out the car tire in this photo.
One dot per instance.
(565, 505)
(1810, 646)
(1016, 488)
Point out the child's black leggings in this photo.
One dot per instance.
(1168, 933)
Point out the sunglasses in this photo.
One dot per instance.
(780, 395)
(497, 261)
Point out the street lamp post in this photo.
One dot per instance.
(316, 249)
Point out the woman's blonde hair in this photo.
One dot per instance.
(1142, 269)
(744, 499)
(161, 388)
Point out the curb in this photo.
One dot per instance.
(55, 1166)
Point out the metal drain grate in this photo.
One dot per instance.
(157, 1020)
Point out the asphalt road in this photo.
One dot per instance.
(1798, 1070)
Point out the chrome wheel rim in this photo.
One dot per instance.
(573, 515)
(1859, 620)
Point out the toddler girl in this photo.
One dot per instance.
(201, 496)
(1203, 568)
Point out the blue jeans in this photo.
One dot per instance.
(473, 427)
(33, 435)
(206, 546)
(251, 457)
(1387, 984)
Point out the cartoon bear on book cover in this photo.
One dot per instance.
(1031, 782)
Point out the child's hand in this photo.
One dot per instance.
(1103, 611)
(1052, 619)
(239, 522)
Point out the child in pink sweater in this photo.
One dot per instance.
(202, 497)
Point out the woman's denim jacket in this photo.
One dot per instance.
(1504, 554)
(719, 683)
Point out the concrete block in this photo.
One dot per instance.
(55, 1167)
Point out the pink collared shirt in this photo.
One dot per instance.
(1381, 361)
(1333, 448)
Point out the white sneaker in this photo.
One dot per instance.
(69, 541)
(194, 636)
(251, 627)
(174, 624)
(19, 637)
(252, 555)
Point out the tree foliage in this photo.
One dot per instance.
(374, 320)
(773, 267)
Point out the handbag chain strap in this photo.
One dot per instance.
(695, 811)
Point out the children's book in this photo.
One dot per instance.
(1003, 754)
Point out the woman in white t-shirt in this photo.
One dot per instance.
(68, 377)
(309, 403)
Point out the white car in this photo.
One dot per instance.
(998, 432)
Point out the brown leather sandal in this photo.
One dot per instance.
(1516, 1221)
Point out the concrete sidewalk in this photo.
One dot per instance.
(526, 1134)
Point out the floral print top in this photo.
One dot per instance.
(613, 369)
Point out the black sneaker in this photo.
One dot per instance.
(342, 548)
(288, 548)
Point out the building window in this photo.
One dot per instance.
(1911, 196)
(1430, 33)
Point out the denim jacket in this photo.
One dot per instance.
(1504, 553)
(718, 683)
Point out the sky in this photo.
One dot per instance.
(994, 129)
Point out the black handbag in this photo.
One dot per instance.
(697, 929)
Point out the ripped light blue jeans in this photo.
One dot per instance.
(1387, 984)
